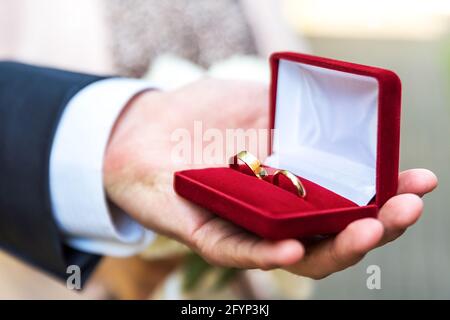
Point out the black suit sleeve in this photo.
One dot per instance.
(31, 102)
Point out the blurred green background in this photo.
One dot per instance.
(418, 264)
(413, 39)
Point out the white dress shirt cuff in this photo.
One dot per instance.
(86, 219)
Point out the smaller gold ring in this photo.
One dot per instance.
(301, 191)
(251, 162)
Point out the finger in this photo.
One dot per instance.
(398, 213)
(417, 181)
(224, 244)
(346, 249)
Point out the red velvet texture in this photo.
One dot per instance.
(274, 212)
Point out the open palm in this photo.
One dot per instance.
(138, 176)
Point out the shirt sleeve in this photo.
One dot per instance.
(84, 216)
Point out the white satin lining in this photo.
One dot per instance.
(325, 128)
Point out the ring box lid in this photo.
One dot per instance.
(336, 124)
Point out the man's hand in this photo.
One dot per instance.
(138, 176)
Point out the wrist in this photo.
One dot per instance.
(122, 144)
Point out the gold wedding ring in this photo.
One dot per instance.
(251, 162)
(293, 179)
(255, 166)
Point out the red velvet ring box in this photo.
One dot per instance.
(337, 127)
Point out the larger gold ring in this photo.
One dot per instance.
(301, 191)
(251, 162)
